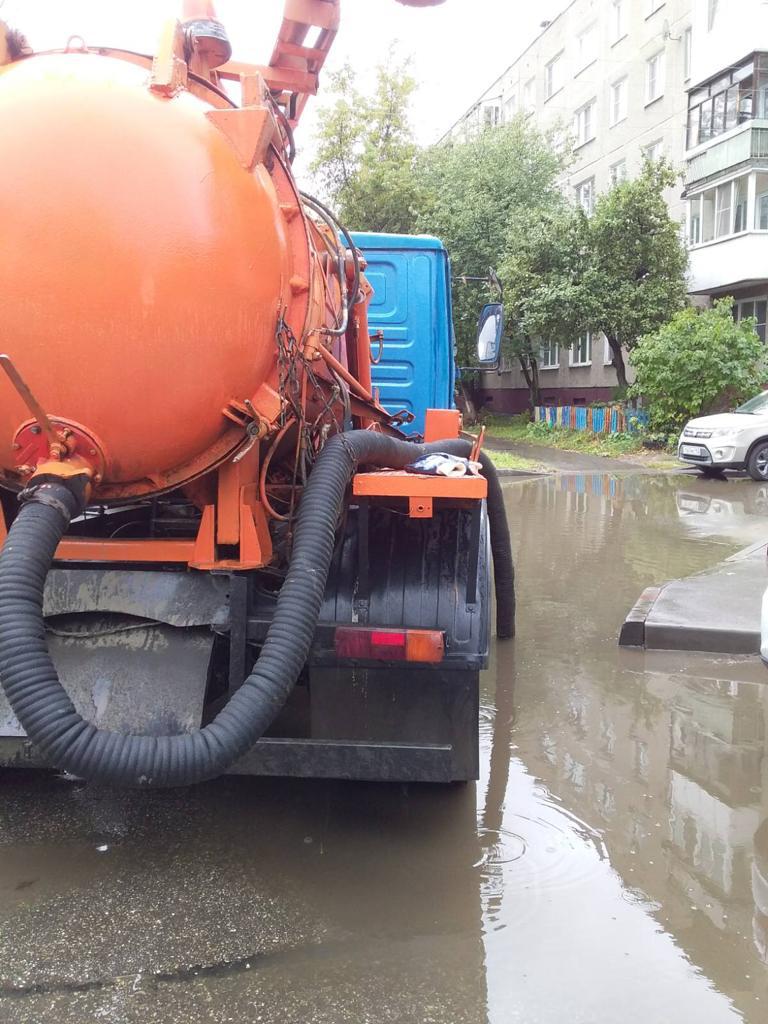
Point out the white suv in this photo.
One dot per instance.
(729, 440)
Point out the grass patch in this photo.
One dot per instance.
(520, 428)
(508, 460)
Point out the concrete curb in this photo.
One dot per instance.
(717, 611)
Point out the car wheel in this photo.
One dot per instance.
(757, 463)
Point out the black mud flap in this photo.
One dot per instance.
(421, 722)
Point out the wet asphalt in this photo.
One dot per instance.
(610, 865)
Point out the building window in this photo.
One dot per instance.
(728, 100)
(581, 350)
(618, 20)
(510, 108)
(761, 203)
(585, 196)
(654, 151)
(687, 52)
(553, 77)
(723, 220)
(723, 210)
(618, 172)
(586, 48)
(584, 124)
(740, 204)
(758, 308)
(618, 101)
(549, 356)
(694, 225)
(491, 115)
(529, 94)
(654, 77)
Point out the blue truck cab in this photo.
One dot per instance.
(411, 279)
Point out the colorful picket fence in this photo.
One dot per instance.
(609, 419)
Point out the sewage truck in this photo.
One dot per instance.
(219, 554)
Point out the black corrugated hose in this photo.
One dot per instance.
(47, 714)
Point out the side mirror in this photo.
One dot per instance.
(490, 329)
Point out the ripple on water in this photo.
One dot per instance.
(536, 854)
(638, 898)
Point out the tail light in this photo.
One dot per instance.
(425, 645)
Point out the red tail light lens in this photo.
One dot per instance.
(424, 645)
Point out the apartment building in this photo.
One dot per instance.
(726, 179)
(614, 74)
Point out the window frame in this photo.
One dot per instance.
(578, 194)
(759, 198)
(573, 362)
(584, 61)
(712, 13)
(580, 119)
(529, 95)
(492, 108)
(607, 353)
(613, 120)
(510, 107)
(552, 85)
(687, 52)
(728, 100)
(731, 205)
(618, 21)
(659, 80)
(550, 347)
(752, 300)
(613, 177)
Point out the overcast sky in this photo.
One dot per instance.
(458, 48)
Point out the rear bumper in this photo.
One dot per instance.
(310, 759)
(383, 725)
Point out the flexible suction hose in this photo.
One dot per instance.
(45, 710)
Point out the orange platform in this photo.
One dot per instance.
(420, 490)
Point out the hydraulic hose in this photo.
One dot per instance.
(501, 545)
(44, 709)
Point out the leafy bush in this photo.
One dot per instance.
(702, 361)
(539, 429)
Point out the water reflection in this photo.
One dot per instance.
(664, 755)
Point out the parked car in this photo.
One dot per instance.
(729, 440)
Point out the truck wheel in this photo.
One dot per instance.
(757, 463)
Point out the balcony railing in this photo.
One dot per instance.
(749, 142)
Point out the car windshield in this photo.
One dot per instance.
(755, 405)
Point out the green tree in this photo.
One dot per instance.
(636, 279)
(365, 153)
(543, 273)
(700, 362)
(471, 192)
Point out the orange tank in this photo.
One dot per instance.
(142, 271)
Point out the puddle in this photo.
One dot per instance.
(610, 865)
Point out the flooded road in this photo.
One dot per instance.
(611, 864)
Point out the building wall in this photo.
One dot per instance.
(586, 72)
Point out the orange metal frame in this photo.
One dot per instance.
(293, 71)
(420, 491)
